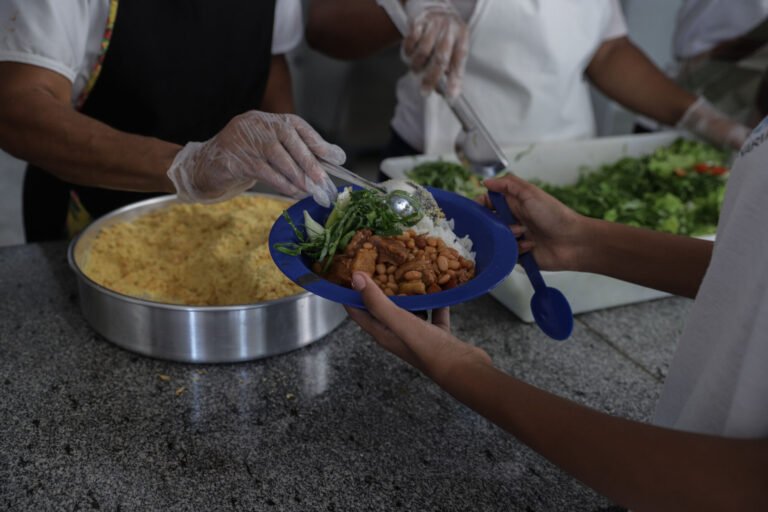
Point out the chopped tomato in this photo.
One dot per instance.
(702, 168)
(718, 170)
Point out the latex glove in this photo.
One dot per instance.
(706, 121)
(279, 149)
(437, 44)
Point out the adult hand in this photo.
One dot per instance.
(437, 44)
(279, 149)
(706, 121)
(554, 232)
(430, 348)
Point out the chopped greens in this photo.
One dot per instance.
(354, 210)
(677, 189)
(448, 176)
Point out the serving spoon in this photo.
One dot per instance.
(404, 205)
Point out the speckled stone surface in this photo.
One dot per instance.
(339, 425)
(650, 344)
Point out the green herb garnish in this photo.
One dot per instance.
(360, 209)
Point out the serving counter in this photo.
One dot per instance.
(339, 425)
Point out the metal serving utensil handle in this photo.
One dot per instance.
(472, 124)
(345, 174)
(485, 153)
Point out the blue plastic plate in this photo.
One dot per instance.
(494, 245)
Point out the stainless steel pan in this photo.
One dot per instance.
(196, 334)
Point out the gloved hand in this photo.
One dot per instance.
(706, 121)
(278, 149)
(438, 43)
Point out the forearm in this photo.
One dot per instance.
(671, 263)
(623, 73)
(39, 128)
(349, 29)
(636, 465)
(278, 96)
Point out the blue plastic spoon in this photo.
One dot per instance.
(550, 308)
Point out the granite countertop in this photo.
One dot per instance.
(339, 425)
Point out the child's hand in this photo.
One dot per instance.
(430, 348)
(555, 233)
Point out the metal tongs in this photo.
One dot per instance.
(477, 148)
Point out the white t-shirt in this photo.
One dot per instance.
(65, 35)
(718, 382)
(408, 120)
(702, 24)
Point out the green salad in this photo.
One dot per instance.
(448, 176)
(677, 189)
(354, 210)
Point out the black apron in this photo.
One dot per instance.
(177, 70)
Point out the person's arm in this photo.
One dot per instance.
(349, 29)
(622, 72)
(436, 45)
(561, 239)
(39, 125)
(636, 465)
(278, 96)
(662, 261)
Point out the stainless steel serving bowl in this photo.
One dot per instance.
(211, 334)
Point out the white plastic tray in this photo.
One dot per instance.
(559, 163)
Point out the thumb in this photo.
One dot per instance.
(380, 306)
(373, 297)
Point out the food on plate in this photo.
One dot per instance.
(193, 254)
(413, 256)
(678, 188)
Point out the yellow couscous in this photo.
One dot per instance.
(194, 254)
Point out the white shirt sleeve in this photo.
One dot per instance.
(51, 34)
(703, 24)
(288, 31)
(617, 25)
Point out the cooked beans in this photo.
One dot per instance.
(412, 275)
(422, 264)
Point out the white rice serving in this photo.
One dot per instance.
(432, 225)
(443, 228)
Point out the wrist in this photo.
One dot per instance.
(689, 118)
(166, 156)
(584, 247)
(452, 364)
(179, 172)
(683, 108)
